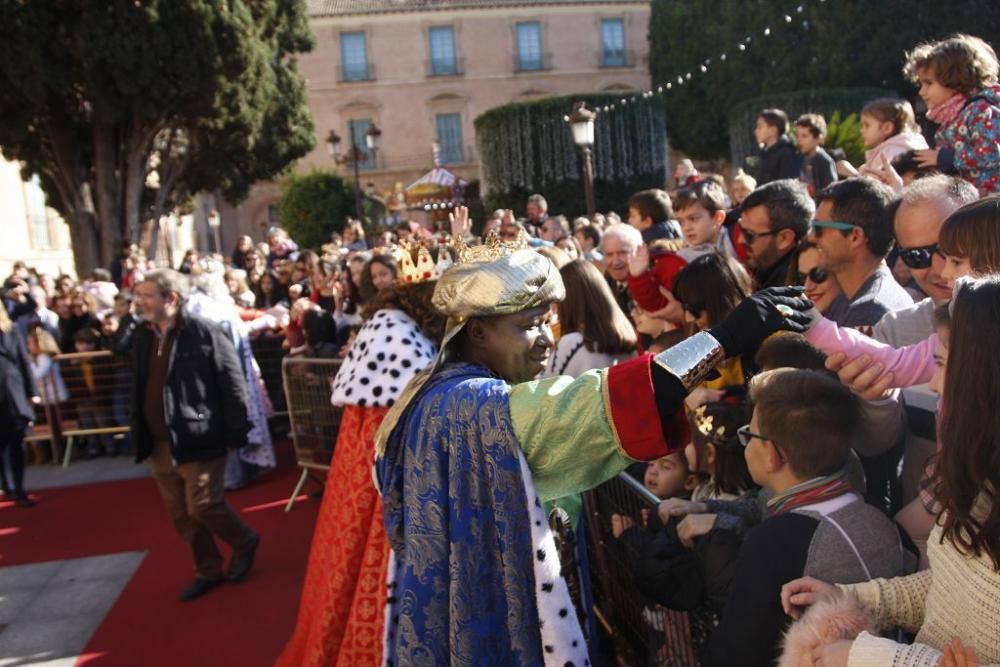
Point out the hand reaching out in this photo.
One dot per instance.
(957, 654)
(638, 264)
(674, 507)
(461, 225)
(800, 593)
(694, 525)
(869, 381)
(890, 176)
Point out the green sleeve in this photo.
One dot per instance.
(566, 433)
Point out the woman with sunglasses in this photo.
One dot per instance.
(820, 286)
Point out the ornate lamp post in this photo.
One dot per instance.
(581, 122)
(373, 136)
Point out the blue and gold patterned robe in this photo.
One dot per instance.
(464, 514)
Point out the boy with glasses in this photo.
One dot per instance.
(796, 448)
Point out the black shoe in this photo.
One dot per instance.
(22, 500)
(242, 563)
(199, 587)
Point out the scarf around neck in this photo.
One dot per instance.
(809, 492)
(946, 112)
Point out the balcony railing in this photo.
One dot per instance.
(616, 58)
(532, 63)
(445, 66)
(357, 73)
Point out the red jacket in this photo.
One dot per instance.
(645, 289)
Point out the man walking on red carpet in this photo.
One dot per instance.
(188, 408)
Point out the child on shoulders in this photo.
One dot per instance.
(889, 129)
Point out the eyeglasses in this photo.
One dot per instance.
(819, 225)
(919, 258)
(815, 274)
(749, 237)
(745, 435)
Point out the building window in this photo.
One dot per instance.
(529, 46)
(443, 60)
(449, 136)
(353, 56)
(356, 129)
(613, 43)
(38, 218)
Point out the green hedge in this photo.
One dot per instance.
(527, 147)
(843, 101)
(313, 206)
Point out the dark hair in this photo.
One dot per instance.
(967, 475)
(813, 122)
(791, 278)
(776, 118)
(591, 309)
(592, 233)
(893, 110)
(811, 417)
(278, 293)
(712, 283)
(707, 193)
(318, 326)
(368, 289)
(961, 62)
(789, 350)
(788, 205)
(973, 231)
(87, 335)
(414, 299)
(653, 203)
(866, 203)
(731, 473)
(906, 163)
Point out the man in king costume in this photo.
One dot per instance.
(475, 446)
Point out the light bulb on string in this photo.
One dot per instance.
(723, 57)
(688, 76)
(798, 10)
(659, 89)
(788, 19)
(703, 68)
(669, 86)
(680, 81)
(742, 47)
(767, 32)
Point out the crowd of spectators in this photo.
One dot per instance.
(822, 467)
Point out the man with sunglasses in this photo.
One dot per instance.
(773, 219)
(853, 232)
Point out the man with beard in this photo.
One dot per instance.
(474, 447)
(774, 218)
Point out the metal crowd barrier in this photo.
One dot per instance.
(268, 351)
(313, 420)
(87, 395)
(642, 632)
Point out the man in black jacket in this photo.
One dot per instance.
(188, 409)
(774, 218)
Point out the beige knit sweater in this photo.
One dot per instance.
(957, 597)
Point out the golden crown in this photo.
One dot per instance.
(491, 249)
(416, 264)
(706, 426)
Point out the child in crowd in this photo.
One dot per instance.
(958, 82)
(818, 168)
(956, 597)
(743, 184)
(715, 452)
(670, 476)
(701, 211)
(888, 128)
(651, 212)
(796, 447)
(778, 157)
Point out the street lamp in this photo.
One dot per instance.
(373, 136)
(581, 122)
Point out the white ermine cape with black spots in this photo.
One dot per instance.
(388, 351)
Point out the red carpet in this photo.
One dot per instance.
(245, 624)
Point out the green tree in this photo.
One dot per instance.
(313, 206)
(95, 97)
(832, 44)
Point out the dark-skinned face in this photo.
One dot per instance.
(515, 347)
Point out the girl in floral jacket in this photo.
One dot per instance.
(958, 82)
